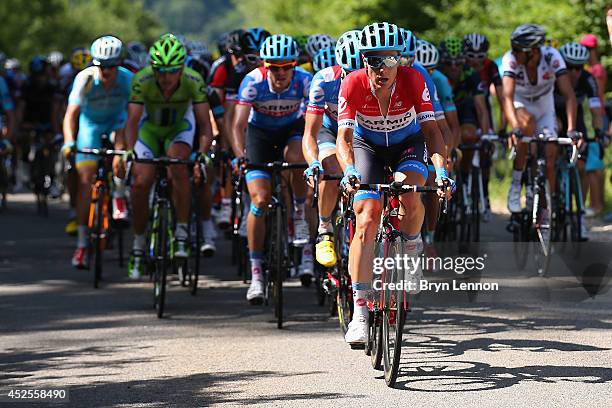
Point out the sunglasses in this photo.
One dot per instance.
(377, 62)
(252, 58)
(517, 50)
(278, 67)
(475, 55)
(168, 70)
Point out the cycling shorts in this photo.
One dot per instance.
(265, 146)
(466, 110)
(542, 110)
(154, 141)
(89, 136)
(371, 161)
(326, 141)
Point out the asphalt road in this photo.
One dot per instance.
(534, 342)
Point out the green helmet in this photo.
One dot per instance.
(301, 41)
(451, 48)
(168, 51)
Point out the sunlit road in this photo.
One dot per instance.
(535, 342)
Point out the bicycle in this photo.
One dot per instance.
(240, 253)
(537, 221)
(43, 149)
(277, 259)
(161, 231)
(98, 222)
(388, 309)
(5, 176)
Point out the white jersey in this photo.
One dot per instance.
(550, 67)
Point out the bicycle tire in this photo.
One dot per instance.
(393, 318)
(161, 262)
(344, 296)
(278, 281)
(194, 272)
(94, 235)
(542, 232)
(475, 227)
(375, 340)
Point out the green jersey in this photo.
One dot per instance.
(162, 112)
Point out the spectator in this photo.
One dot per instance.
(595, 67)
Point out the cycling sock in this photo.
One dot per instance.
(181, 232)
(517, 175)
(325, 225)
(140, 240)
(256, 258)
(298, 208)
(257, 212)
(119, 187)
(360, 298)
(81, 236)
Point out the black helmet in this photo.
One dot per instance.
(252, 39)
(475, 43)
(234, 45)
(528, 36)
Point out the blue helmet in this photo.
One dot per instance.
(326, 57)
(347, 51)
(411, 43)
(253, 38)
(37, 65)
(381, 37)
(279, 47)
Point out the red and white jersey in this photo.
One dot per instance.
(410, 105)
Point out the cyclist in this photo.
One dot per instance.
(591, 165)
(226, 77)
(314, 43)
(96, 106)
(174, 97)
(530, 73)
(7, 109)
(325, 58)
(137, 56)
(319, 142)
(268, 110)
(368, 140)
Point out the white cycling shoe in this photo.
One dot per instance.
(514, 198)
(357, 333)
(255, 294)
(302, 232)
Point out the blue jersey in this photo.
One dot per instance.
(271, 110)
(323, 97)
(435, 101)
(96, 104)
(6, 101)
(445, 91)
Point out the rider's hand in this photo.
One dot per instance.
(442, 179)
(574, 135)
(238, 163)
(515, 135)
(67, 149)
(350, 175)
(315, 165)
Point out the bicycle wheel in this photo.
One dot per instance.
(393, 317)
(519, 226)
(344, 295)
(161, 260)
(278, 279)
(475, 225)
(543, 221)
(194, 271)
(96, 231)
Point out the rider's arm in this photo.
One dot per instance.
(202, 115)
(238, 130)
(565, 88)
(447, 133)
(453, 122)
(594, 103)
(435, 143)
(508, 86)
(482, 112)
(70, 125)
(309, 141)
(135, 111)
(344, 147)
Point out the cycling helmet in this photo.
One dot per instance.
(326, 57)
(234, 45)
(80, 58)
(168, 51)
(137, 54)
(381, 37)
(451, 48)
(106, 50)
(279, 47)
(252, 39)
(475, 43)
(13, 64)
(427, 54)
(574, 54)
(528, 36)
(55, 58)
(347, 51)
(317, 42)
(411, 43)
(198, 50)
(37, 65)
(222, 43)
(301, 41)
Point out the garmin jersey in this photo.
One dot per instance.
(410, 105)
(435, 101)
(97, 104)
(6, 101)
(445, 91)
(164, 112)
(550, 67)
(323, 96)
(271, 110)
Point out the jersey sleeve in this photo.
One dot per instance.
(421, 98)
(494, 72)
(347, 103)
(509, 65)
(198, 90)
(316, 95)
(218, 75)
(247, 93)
(592, 92)
(433, 91)
(557, 62)
(137, 92)
(5, 96)
(80, 87)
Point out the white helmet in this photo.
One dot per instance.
(107, 50)
(317, 42)
(574, 54)
(427, 54)
(12, 63)
(55, 58)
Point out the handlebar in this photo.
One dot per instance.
(546, 138)
(101, 152)
(276, 166)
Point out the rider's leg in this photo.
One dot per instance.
(258, 184)
(119, 204)
(86, 171)
(181, 189)
(293, 154)
(527, 125)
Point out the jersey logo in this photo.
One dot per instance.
(556, 64)
(317, 94)
(426, 96)
(342, 103)
(399, 104)
(248, 93)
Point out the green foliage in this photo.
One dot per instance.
(39, 26)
